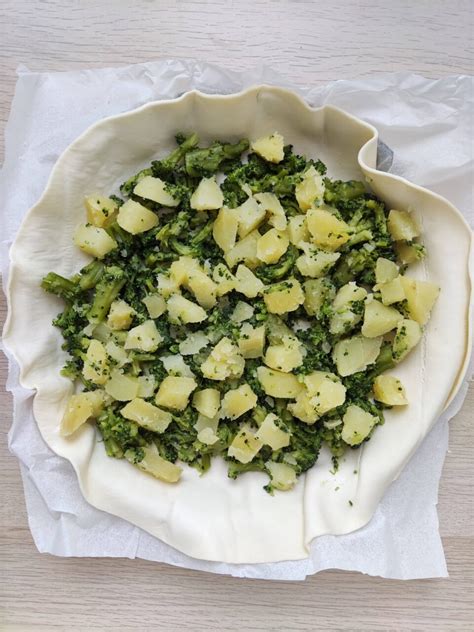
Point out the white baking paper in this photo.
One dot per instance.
(427, 123)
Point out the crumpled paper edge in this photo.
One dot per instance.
(189, 75)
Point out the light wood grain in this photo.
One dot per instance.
(311, 42)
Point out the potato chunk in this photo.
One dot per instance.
(392, 292)
(278, 384)
(402, 226)
(224, 229)
(389, 390)
(357, 425)
(245, 445)
(208, 196)
(238, 401)
(247, 283)
(303, 409)
(355, 354)
(283, 477)
(242, 311)
(155, 304)
(409, 252)
(144, 337)
(379, 319)
(273, 432)
(285, 356)
(271, 205)
(251, 341)
(146, 386)
(122, 387)
(421, 297)
(146, 415)
(174, 392)
(310, 189)
(250, 215)
(385, 270)
(244, 250)
(316, 292)
(96, 364)
(100, 210)
(194, 343)
(182, 310)
(166, 285)
(181, 270)
(94, 241)
(407, 337)
(175, 365)
(120, 315)
(326, 229)
(347, 308)
(225, 361)
(225, 280)
(284, 297)
(315, 263)
(135, 218)
(78, 411)
(325, 390)
(152, 463)
(298, 230)
(270, 147)
(203, 288)
(154, 189)
(207, 402)
(272, 245)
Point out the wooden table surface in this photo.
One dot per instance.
(311, 42)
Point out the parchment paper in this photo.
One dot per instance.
(429, 126)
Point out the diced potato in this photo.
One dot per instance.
(298, 230)
(284, 297)
(402, 226)
(100, 210)
(379, 319)
(325, 390)
(273, 433)
(278, 384)
(224, 229)
(270, 147)
(272, 245)
(174, 392)
(96, 364)
(251, 341)
(144, 337)
(347, 308)
(303, 409)
(122, 387)
(208, 196)
(152, 463)
(97, 400)
(181, 270)
(352, 355)
(310, 189)
(285, 356)
(349, 294)
(326, 229)
(389, 390)
(146, 415)
(120, 315)
(244, 446)
(94, 241)
(203, 288)
(224, 278)
(283, 476)
(135, 218)
(357, 425)
(182, 310)
(225, 361)
(316, 292)
(154, 189)
(277, 330)
(175, 365)
(247, 283)
(155, 304)
(207, 402)
(78, 411)
(409, 253)
(194, 343)
(117, 353)
(250, 215)
(315, 263)
(407, 337)
(392, 292)
(238, 401)
(420, 297)
(166, 285)
(242, 311)
(146, 386)
(385, 270)
(244, 250)
(271, 205)
(207, 428)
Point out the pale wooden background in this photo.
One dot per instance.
(311, 42)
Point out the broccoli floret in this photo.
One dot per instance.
(338, 191)
(59, 285)
(164, 168)
(106, 292)
(206, 162)
(91, 275)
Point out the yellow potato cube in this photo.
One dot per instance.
(379, 319)
(155, 304)
(166, 285)
(316, 292)
(78, 411)
(174, 392)
(144, 337)
(272, 245)
(251, 341)
(315, 263)
(407, 337)
(152, 463)
(121, 387)
(357, 425)
(283, 477)
(154, 189)
(278, 384)
(420, 297)
(326, 229)
(242, 311)
(182, 310)
(100, 210)
(244, 250)
(298, 230)
(238, 401)
(402, 226)
(175, 365)
(271, 205)
(96, 364)
(352, 355)
(250, 215)
(385, 270)
(345, 313)
(207, 428)
(194, 343)
(146, 415)
(225, 361)
(303, 409)
(94, 241)
(409, 253)
(146, 386)
(284, 297)
(310, 189)
(120, 315)
(270, 147)
(325, 391)
(208, 196)
(135, 218)
(181, 269)
(225, 227)
(225, 280)
(389, 390)
(244, 446)
(117, 353)
(285, 356)
(207, 402)
(273, 433)
(392, 292)
(247, 283)
(203, 288)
